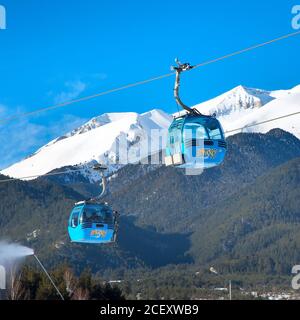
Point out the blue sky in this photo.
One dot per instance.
(54, 50)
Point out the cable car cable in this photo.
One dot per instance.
(289, 35)
(49, 277)
(135, 84)
(44, 175)
(262, 122)
(76, 170)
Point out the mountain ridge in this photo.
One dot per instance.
(212, 219)
(98, 138)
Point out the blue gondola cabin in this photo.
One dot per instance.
(92, 223)
(195, 141)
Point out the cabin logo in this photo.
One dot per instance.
(98, 233)
(2, 278)
(207, 153)
(2, 18)
(296, 18)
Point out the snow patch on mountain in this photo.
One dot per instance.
(242, 107)
(96, 140)
(286, 102)
(234, 101)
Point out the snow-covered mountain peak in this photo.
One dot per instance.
(155, 119)
(260, 95)
(238, 99)
(155, 116)
(95, 140)
(99, 121)
(148, 120)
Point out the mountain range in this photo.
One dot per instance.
(241, 217)
(97, 139)
(245, 210)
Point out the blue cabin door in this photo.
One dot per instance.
(74, 224)
(193, 141)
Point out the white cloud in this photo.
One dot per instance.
(73, 90)
(21, 138)
(17, 140)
